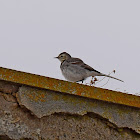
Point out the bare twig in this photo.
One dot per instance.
(94, 81)
(106, 82)
(105, 77)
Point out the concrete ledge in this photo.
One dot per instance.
(45, 102)
(38, 109)
(69, 87)
(17, 122)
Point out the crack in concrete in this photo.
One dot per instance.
(25, 109)
(111, 125)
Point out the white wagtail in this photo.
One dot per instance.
(75, 70)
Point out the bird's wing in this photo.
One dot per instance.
(89, 68)
(77, 61)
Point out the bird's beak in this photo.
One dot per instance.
(56, 57)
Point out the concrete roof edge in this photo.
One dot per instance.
(69, 87)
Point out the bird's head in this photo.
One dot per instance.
(63, 56)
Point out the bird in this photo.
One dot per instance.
(75, 70)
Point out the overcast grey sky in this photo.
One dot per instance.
(104, 33)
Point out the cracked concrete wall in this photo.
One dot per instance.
(32, 113)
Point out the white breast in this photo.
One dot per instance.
(72, 72)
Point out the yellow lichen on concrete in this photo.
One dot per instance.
(67, 87)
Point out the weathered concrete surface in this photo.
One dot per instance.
(45, 102)
(42, 114)
(8, 87)
(69, 87)
(18, 123)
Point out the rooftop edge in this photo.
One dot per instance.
(69, 87)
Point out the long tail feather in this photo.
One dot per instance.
(112, 77)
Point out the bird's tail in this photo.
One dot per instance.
(111, 77)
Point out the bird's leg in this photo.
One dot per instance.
(81, 81)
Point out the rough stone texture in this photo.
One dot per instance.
(7, 87)
(18, 123)
(45, 102)
(62, 121)
(4, 138)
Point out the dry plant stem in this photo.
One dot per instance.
(106, 82)
(100, 80)
(92, 82)
(105, 77)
